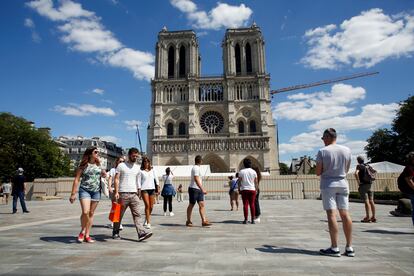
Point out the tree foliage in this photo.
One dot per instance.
(284, 169)
(22, 145)
(393, 145)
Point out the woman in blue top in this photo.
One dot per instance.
(89, 175)
(168, 191)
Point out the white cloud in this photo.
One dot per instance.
(31, 25)
(83, 32)
(84, 110)
(139, 63)
(303, 142)
(221, 16)
(371, 117)
(319, 105)
(86, 35)
(132, 124)
(98, 91)
(66, 11)
(308, 143)
(362, 41)
(109, 138)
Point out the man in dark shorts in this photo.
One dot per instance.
(364, 189)
(196, 193)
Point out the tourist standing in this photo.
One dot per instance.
(196, 194)
(127, 192)
(168, 191)
(7, 187)
(332, 165)
(89, 175)
(19, 190)
(406, 181)
(148, 182)
(364, 189)
(180, 193)
(111, 184)
(248, 185)
(234, 192)
(257, 209)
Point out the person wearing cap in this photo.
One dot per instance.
(332, 165)
(196, 193)
(19, 190)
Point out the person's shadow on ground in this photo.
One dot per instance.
(381, 231)
(285, 250)
(73, 239)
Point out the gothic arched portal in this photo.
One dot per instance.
(173, 162)
(255, 163)
(216, 163)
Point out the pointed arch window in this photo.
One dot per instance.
(252, 127)
(238, 58)
(170, 129)
(171, 62)
(241, 127)
(182, 129)
(248, 58)
(182, 62)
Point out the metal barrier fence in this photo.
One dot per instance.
(271, 187)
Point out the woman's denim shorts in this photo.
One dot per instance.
(85, 194)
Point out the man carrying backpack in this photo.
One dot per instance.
(363, 175)
(406, 181)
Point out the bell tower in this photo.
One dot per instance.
(224, 118)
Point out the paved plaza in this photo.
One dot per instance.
(286, 241)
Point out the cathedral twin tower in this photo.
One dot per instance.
(222, 118)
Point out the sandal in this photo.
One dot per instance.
(374, 220)
(366, 220)
(188, 223)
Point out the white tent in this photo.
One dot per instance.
(181, 170)
(387, 167)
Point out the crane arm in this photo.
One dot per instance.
(302, 86)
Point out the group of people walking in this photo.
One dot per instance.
(132, 183)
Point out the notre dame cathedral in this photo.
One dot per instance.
(223, 118)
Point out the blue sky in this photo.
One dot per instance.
(83, 67)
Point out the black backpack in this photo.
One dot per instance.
(369, 174)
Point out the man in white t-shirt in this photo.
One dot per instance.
(332, 165)
(127, 191)
(196, 193)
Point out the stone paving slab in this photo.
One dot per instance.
(286, 242)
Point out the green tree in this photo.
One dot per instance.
(393, 145)
(284, 169)
(22, 145)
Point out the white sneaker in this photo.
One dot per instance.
(171, 214)
(257, 220)
(148, 225)
(165, 214)
(145, 223)
(121, 227)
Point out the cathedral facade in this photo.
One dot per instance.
(223, 118)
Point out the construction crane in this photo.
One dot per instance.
(138, 137)
(318, 83)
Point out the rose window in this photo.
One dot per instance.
(212, 122)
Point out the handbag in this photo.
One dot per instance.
(104, 186)
(155, 183)
(115, 213)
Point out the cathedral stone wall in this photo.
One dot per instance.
(222, 118)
